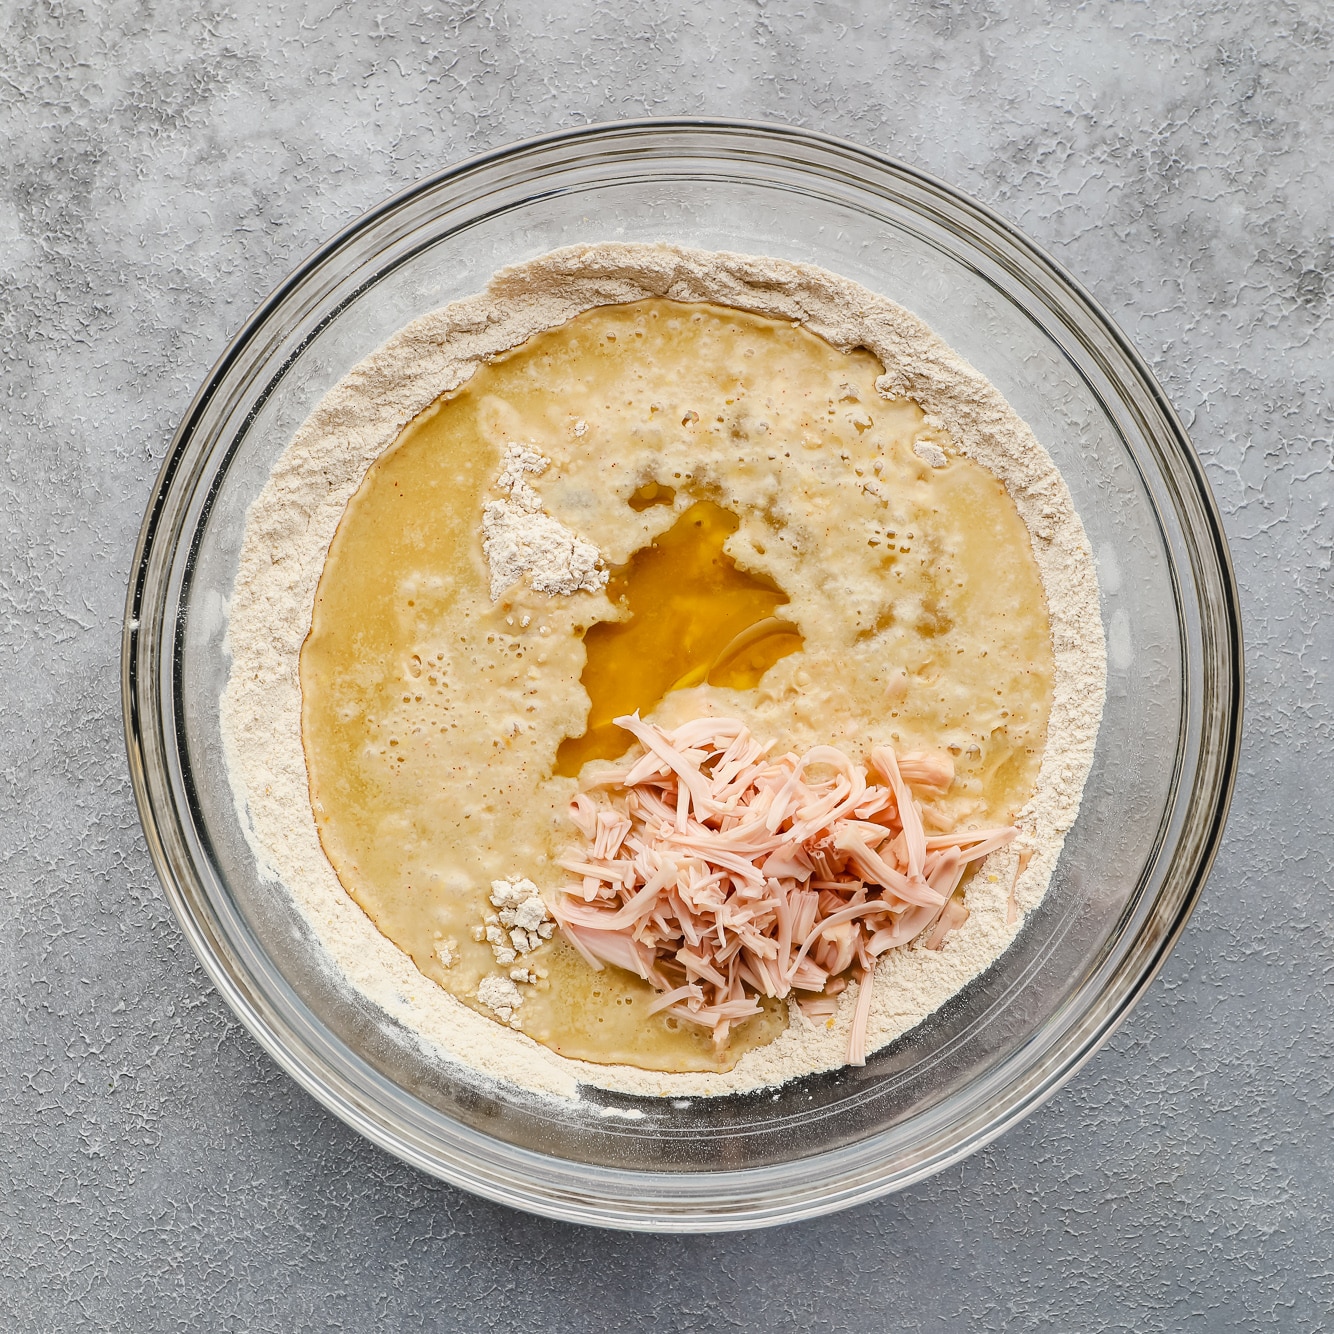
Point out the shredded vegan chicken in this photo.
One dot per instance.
(720, 875)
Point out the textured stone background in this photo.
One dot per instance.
(163, 167)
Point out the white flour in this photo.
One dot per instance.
(519, 538)
(292, 523)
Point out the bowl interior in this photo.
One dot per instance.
(1123, 883)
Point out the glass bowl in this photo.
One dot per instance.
(1132, 866)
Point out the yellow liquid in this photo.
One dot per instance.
(735, 472)
(695, 617)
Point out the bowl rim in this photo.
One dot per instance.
(140, 651)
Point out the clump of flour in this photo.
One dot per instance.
(521, 921)
(292, 523)
(502, 997)
(519, 538)
(930, 454)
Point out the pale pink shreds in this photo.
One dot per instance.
(722, 876)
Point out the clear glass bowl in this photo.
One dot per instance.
(1154, 806)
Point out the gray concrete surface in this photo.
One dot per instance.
(163, 167)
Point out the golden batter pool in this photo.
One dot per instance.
(777, 541)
